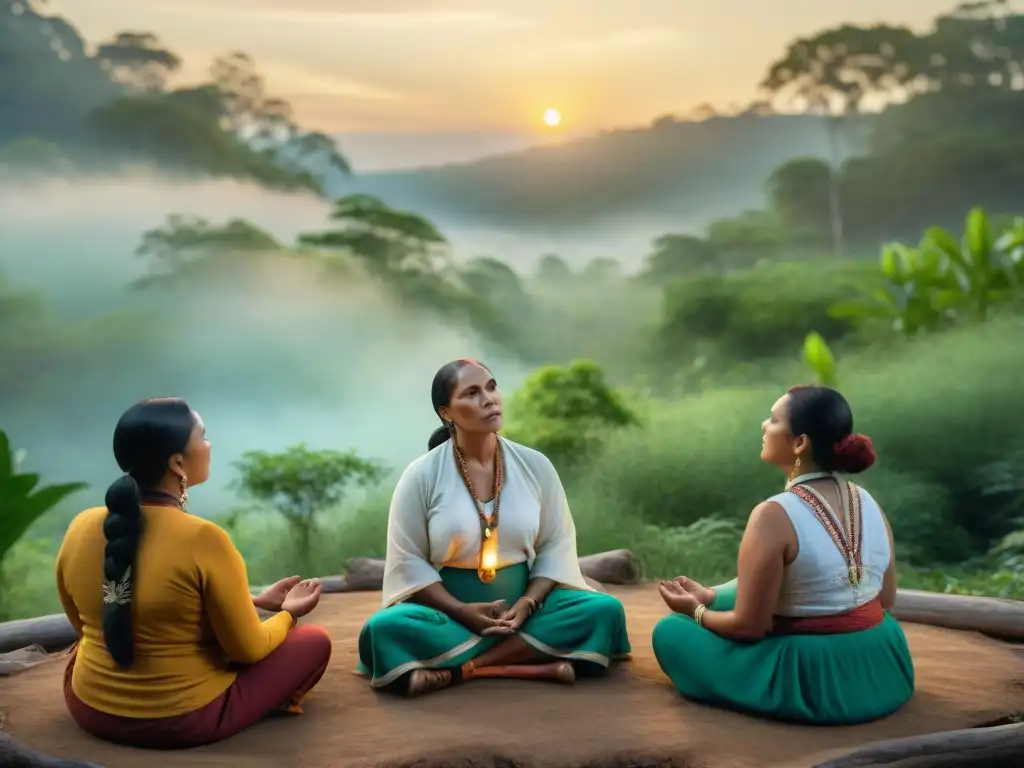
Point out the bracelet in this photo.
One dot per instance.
(534, 605)
(698, 615)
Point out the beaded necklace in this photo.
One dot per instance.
(846, 531)
(487, 569)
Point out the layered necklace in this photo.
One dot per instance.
(845, 531)
(488, 567)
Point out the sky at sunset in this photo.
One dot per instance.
(476, 75)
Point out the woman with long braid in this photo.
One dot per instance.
(171, 650)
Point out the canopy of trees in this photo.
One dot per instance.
(114, 104)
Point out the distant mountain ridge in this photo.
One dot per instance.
(669, 169)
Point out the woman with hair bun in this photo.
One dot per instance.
(481, 577)
(804, 631)
(171, 651)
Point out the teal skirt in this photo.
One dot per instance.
(840, 679)
(586, 627)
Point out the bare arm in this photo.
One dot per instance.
(889, 582)
(539, 589)
(760, 571)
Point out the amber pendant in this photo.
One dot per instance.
(488, 569)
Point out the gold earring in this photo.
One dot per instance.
(183, 501)
(451, 426)
(796, 468)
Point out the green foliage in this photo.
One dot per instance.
(190, 247)
(26, 580)
(819, 358)
(389, 242)
(181, 136)
(116, 101)
(34, 154)
(138, 60)
(942, 280)
(700, 456)
(301, 485)
(566, 411)
(22, 499)
(755, 313)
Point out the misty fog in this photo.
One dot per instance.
(359, 368)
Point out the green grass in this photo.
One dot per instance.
(943, 412)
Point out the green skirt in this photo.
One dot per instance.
(587, 627)
(840, 679)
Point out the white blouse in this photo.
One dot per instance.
(433, 522)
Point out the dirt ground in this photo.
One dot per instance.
(631, 717)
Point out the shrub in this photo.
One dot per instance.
(939, 414)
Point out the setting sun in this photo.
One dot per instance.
(552, 118)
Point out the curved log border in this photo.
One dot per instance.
(1000, 746)
(998, 618)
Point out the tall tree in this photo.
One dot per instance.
(268, 121)
(832, 74)
(977, 45)
(138, 61)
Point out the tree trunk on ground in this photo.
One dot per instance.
(14, 755)
(1003, 619)
(366, 574)
(992, 616)
(998, 747)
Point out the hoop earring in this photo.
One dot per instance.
(183, 500)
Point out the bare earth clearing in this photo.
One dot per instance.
(631, 717)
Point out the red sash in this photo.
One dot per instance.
(862, 617)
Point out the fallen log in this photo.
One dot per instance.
(52, 632)
(1000, 746)
(1003, 619)
(615, 567)
(15, 755)
(366, 574)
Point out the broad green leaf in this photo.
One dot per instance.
(18, 486)
(891, 264)
(819, 358)
(978, 237)
(947, 244)
(20, 508)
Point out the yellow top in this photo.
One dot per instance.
(192, 615)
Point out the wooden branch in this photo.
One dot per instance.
(1003, 619)
(15, 755)
(366, 574)
(52, 632)
(615, 567)
(997, 747)
(991, 616)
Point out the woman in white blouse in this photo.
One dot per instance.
(804, 632)
(481, 577)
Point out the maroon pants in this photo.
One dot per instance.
(279, 682)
